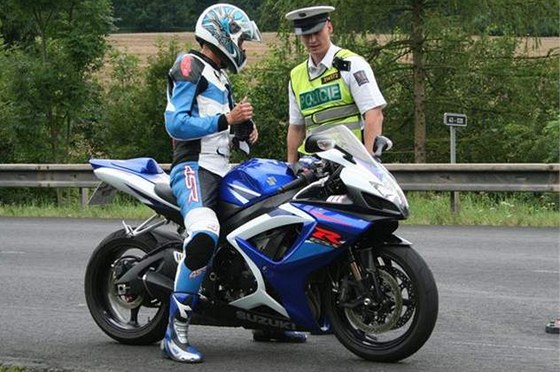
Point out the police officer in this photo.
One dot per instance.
(333, 86)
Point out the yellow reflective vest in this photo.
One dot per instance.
(326, 99)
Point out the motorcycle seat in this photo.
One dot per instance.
(137, 165)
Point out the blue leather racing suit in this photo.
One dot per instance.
(198, 98)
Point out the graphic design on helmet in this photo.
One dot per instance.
(225, 27)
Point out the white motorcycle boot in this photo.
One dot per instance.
(175, 344)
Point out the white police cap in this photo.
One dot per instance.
(309, 20)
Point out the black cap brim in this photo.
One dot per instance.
(310, 25)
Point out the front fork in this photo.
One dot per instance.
(366, 275)
(368, 284)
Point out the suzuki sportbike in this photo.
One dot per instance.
(313, 251)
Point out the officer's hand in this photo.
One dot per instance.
(242, 112)
(254, 136)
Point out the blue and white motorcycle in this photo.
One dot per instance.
(313, 251)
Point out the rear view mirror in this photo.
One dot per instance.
(317, 143)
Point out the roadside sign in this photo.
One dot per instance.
(455, 120)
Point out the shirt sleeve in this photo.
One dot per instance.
(363, 86)
(182, 121)
(296, 117)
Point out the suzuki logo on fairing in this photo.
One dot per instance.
(259, 319)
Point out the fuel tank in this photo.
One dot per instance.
(254, 180)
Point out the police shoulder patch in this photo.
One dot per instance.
(361, 77)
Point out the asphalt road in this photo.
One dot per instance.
(498, 288)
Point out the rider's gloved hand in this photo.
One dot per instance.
(304, 164)
(241, 135)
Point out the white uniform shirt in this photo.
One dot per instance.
(359, 79)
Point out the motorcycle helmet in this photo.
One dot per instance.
(224, 27)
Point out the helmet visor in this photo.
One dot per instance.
(250, 31)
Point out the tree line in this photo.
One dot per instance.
(438, 56)
(181, 15)
(169, 15)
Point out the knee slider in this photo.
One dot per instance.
(199, 251)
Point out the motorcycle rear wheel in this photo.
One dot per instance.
(397, 329)
(134, 321)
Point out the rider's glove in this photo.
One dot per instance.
(241, 133)
(308, 164)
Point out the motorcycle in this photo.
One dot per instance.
(313, 251)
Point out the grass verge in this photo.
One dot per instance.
(484, 209)
(11, 369)
(425, 209)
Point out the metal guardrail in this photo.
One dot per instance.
(411, 177)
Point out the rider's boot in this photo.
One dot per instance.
(175, 344)
(261, 335)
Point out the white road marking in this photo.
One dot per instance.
(547, 271)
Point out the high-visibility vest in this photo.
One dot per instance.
(326, 99)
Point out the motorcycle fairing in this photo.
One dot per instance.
(138, 185)
(232, 218)
(350, 226)
(289, 276)
(256, 261)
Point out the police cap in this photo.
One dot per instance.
(309, 20)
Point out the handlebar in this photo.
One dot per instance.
(381, 144)
(303, 179)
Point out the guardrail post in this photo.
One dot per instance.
(84, 196)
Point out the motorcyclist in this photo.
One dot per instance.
(199, 114)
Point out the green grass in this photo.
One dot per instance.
(425, 209)
(11, 369)
(484, 209)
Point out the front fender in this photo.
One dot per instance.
(394, 240)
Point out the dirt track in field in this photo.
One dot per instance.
(144, 45)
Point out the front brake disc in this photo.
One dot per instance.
(381, 320)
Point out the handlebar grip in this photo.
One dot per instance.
(303, 179)
(381, 144)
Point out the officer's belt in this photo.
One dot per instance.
(331, 114)
(352, 126)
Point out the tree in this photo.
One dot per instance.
(132, 122)
(422, 24)
(170, 15)
(48, 76)
(418, 31)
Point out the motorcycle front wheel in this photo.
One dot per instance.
(134, 320)
(398, 321)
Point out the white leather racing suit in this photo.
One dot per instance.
(198, 98)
